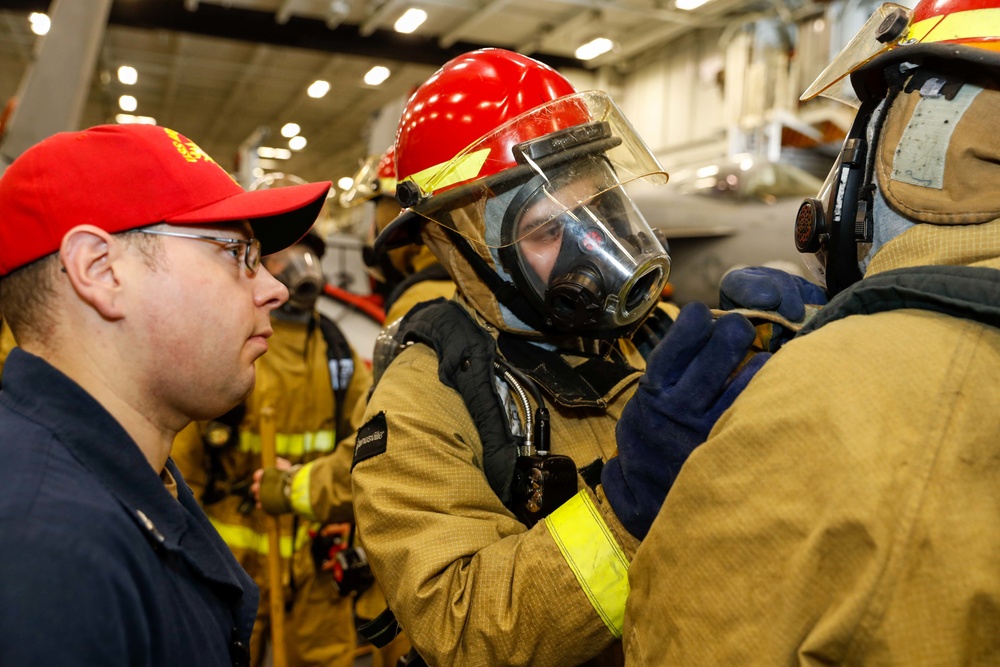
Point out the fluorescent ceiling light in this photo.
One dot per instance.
(289, 130)
(705, 172)
(410, 20)
(594, 48)
(318, 89)
(376, 75)
(127, 75)
(40, 23)
(274, 153)
(688, 5)
(127, 103)
(297, 143)
(129, 119)
(345, 183)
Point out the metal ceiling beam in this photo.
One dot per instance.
(299, 32)
(485, 11)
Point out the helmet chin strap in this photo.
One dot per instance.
(506, 293)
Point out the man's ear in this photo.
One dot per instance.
(91, 258)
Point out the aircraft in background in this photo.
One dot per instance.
(734, 213)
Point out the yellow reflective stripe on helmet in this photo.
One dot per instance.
(299, 496)
(243, 537)
(594, 556)
(462, 168)
(291, 445)
(971, 24)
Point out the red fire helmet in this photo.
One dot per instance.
(473, 96)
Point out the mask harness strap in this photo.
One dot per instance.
(505, 292)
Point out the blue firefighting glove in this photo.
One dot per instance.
(693, 375)
(778, 303)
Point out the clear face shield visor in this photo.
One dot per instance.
(559, 221)
(888, 28)
(364, 186)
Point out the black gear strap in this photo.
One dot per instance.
(506, 293)
(584, 385)
(465, 354)
(381, 630)
(962, 291)
(341, 362)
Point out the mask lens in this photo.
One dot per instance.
(585, 251)
(303, 276)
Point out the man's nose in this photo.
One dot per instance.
(269, 292)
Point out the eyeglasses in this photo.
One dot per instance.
(251, 253)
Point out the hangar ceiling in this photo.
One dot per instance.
(216, 70)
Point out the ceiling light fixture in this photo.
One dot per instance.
(289, 130)
(411, 19)
(377, 75)
(40, 23)
(297, 143)
(127, 75)
(129, 119)
(127, 103)
(594, 48)
(688, 5)
(269, 153)
(318, 89)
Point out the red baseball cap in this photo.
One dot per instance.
(121, 177)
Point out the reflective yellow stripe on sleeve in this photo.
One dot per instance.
(594, 556)
(291, 445)
(299, 495)
(242, 537)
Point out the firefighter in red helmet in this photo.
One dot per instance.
(402, 276)
(844, 511)
(491, 501)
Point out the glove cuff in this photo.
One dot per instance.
(622, 500)
(276, 491)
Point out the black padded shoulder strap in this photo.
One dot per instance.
(465, 354)
(341, 361)
(961, 291)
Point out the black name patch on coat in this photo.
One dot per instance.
(372, 439)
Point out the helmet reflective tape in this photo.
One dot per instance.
(462, 168)
(976, 27)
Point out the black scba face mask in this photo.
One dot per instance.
(574, 242)
(303, 276)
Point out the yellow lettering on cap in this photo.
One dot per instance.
(188, 150)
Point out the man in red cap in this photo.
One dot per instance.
(130, 276)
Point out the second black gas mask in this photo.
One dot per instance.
(302, 274)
